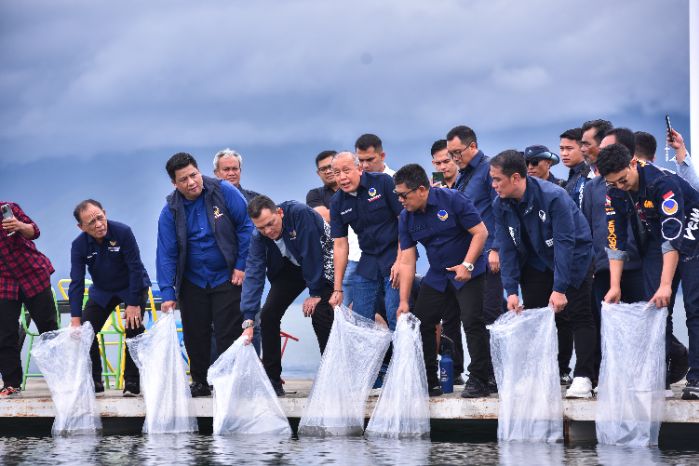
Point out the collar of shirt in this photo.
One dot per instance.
(577, 169)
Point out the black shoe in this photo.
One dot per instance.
(435, 391)
(691, 391)
(459, 380)
(99, 387)
(475, 388)
(492, 384)
(199, 389)
(678, 366)
(132, 389)
(566, 379)
(279, 390)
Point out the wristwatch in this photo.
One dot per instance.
(248, 323)
(469, 266)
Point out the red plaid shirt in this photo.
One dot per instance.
(21, 265)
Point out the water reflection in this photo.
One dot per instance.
(194, 449)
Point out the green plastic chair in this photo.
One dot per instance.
(25, 321)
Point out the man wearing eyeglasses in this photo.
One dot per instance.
(453, 234)
(474, 181)
(539, 162)
(110, 252)
(366, 202)
(669, 209)
(203, 239)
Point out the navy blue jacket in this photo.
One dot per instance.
(443, 230)
(115, 268)
(578, 176)
(227, 215)
(373, 215)
(593, 209)
(474, 180)
(556, 228)
(307, 238)
(668, 208)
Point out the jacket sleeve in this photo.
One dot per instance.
(509, 260)
(617, 225)
(238, 208)
(24, 218)
(669, 201)
(254, 282)
(132, 257)
(166, 255)
(76, 289)
(392, 197)
(563, 225)
(337, 228)
(311, 259)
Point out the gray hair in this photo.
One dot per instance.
(346, 153)
(227, 153)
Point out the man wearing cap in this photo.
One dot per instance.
(539, 162)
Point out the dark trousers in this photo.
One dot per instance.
(97, 316)
(690, 293)
(430, 307)
(42, 309)
(200, 307)
(285, 288)
(536, 290)
(451, 328)
(632, 291)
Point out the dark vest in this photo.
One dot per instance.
(223, 227)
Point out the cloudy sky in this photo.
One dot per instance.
(95, 96)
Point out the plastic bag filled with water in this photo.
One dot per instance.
(403, 408)
(524, 349)
(348, 368)
(631, 391)
(163, 378)
(63, 357)
(244, 400)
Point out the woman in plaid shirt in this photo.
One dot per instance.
(24, 279)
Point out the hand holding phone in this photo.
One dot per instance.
(438, 178)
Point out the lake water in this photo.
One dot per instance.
(199, 449)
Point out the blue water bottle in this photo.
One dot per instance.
(446, 373)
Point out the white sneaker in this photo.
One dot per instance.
(580, 388)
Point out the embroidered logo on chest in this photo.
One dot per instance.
(373, 195)
(443, 215)
(217, 212)
(669, 205)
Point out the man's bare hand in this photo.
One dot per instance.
(238, 277)
(132, 316)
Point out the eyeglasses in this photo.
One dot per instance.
(325, 168)
(404, 195)
(622, 181)
(456, 154)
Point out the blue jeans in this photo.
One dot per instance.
(366, 293)
(347, 282)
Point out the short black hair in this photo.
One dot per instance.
(178, 161)
(510, 162)
(83, 205)
(464, 133)
(439, 144)
(623, 136)
(601, 127)
(645, 145)
(613, 159)
(324, 155)
(367, 141)
(574, 134)
(258, 203)
(412, 175)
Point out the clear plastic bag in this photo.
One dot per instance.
(524, 349)
(403, 408)
(63, 357)
(244, 400)
(631, 391)
(347, 370)
(163, 378)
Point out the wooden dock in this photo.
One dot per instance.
(578, 415)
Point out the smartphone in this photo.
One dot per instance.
(438, 177)
(669, 127)
(7, 213)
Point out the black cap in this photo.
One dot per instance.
(540, 152)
